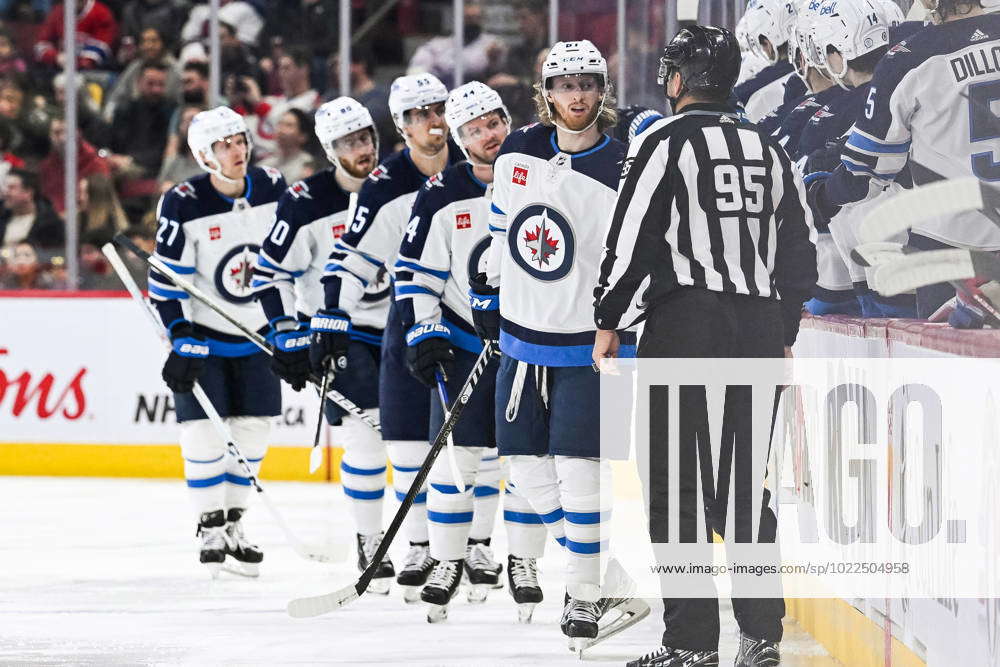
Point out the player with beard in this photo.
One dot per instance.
(553, 193)
(311, 215)
(376, 224)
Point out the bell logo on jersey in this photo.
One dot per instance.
(214, 233)
(234, 273)
(463, 220)
(520, 175)
(541, 242)
(338, 230)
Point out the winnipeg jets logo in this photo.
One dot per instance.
(820, 115)
(273, 174)
(300, 190)
(379, 173)
(234, 273)
(435, 181)
(185, 190)
(541, 242)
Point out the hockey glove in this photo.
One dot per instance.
(330, 340)
(187, 358)
(823, 211)
(291, 352)
(485, 302)
(427, 348)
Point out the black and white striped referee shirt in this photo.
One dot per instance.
(708, 201)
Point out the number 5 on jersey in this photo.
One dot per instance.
(360, 219)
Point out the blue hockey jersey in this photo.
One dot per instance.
(833, 120)
(789, 129)
(213, 240)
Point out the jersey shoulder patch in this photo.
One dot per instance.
(268, 185)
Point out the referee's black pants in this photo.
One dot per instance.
(698, 323)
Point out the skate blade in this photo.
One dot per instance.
(249, 570)
(379, 586)
(525, 610)
(631, 612)
(477, 593)
(437, 613)
(579, 644)
(411, 594)
(214, 569)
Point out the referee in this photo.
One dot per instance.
(713, 213)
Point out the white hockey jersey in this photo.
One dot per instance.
(376, 224)
(213, 240)
(549, 214)
(448, 243)
(767, 98)
(310, 216)
(931, 107)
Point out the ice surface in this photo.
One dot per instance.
(105, 571)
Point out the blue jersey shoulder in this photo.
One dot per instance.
(312, 198)
(395, 177)
(768, 75)
(453, 184)
(530, 140)
(266, 185)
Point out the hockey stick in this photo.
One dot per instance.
(253, 336)
(442, 390)
(899, 213)
(316, 453)
(934, 266)
(321, 604)
(339, 551)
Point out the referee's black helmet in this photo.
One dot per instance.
(708, 59)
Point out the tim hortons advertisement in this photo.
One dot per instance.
(87, 371)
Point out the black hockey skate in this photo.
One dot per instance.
(757, 652)
(617, 610)
(212, 531)
(481, 571)
(367, 546)
(441, 587)
(675, 657)
(243, 558)
(522, 582)
(579, 623)
(416, 568)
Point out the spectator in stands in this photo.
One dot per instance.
(28, 129)
(144, 238)
(51, 170)
(95, 271)
(26, 216)
(92, 126)
(483, 54)
(311, 24)
(33, 11)
(263, 114)
(152, 49)
(8, 160)
(11, 61)
(140, 126)
(294, 132)
(181, 165)
(372, 96)
(533, 34)
(100, 213)
(167, 16)
(96, 31)
(25, 270)
(243, 16)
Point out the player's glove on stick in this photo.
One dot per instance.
(823, 211)
(291, 352)
(186, 360)
(330, 340)
(485, 302)
(428, 347)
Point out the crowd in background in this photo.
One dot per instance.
(143, 74)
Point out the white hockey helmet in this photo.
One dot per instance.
(210, 126)
(468, 102)
(799, 42)
(772, 19)
(338, 118)
(852, 28)
(580, 57)
(891, 12)
(413, 91)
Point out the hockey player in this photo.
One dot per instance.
(735, 293)
(768, 27)
(311, 215)
(447, 246)
(209, 229)
(554, 183)
(947, 72)
(377, 222)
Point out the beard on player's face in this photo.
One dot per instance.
(577, 110)
(360, 162)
